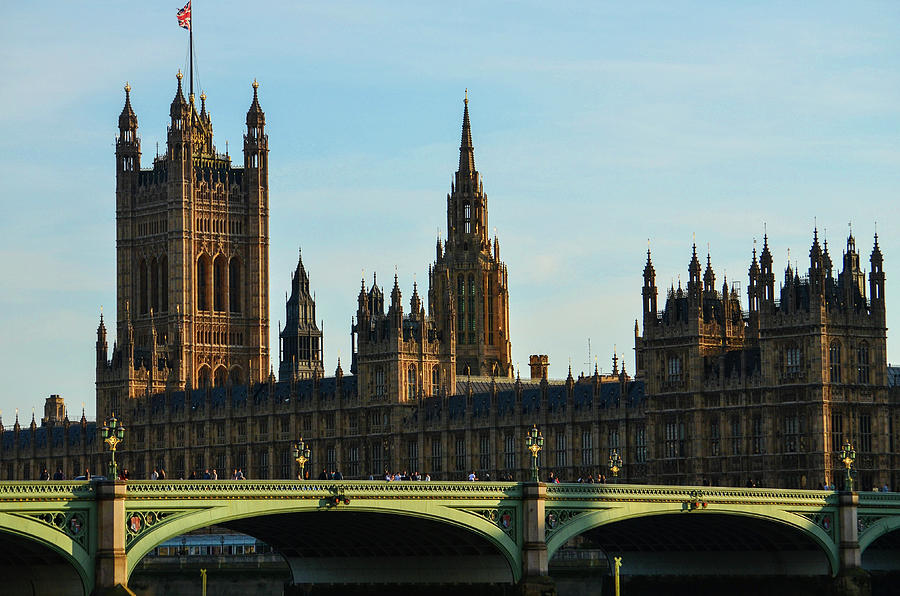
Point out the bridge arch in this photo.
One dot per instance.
(879, 545)
(789, 526)
(65, 566)
(428, 517)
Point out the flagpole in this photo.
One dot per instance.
(191, 42)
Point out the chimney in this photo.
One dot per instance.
(539, 365)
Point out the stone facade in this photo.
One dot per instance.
(720, 395)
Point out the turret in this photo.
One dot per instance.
(396, 310)
(876, 278)
(649, 293)
(816, 267)
(128, 149)
(766, 277)
(709, 277)
(256, 143)
(102, 346)
(693, 286)
(754, 288)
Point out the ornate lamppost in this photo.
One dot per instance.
(615, 464)
(848, 455)
(112, 433)
(301, 455)
(535, 442)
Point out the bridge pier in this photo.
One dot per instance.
(852, 579)
(536, 580)
(111, 564)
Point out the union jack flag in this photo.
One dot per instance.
(184, 17)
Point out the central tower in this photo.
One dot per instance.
(468, 294)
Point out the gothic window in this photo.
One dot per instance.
(379, 382)
(561, 451)
(613, 441)
(862, 363)
(490, 311)
(412, 455)
(203, 282)
(792, 360)
(435, 380)
(671, 440)
(587, 448)
(353, 461)
(436, 454)
(203, 377)
(467, 217)
(235, 375)
(834, 361)
(154, 285)
(674, 369)
(837, 432)
(234, 285)
(411, 382)
(143, 287)
(484, 456)
(714, 437)
(460, 454)
(640, 444)
(461, 307)
(735, 436)
(221, 376)
(164, 283)
(509, 452)
(471, 311)
(865, 433)
(219, 283)
(791, 433)
(757, 436)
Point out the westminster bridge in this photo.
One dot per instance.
(86, 538)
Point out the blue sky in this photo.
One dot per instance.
(596, 127)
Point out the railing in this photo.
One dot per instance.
(143, 489)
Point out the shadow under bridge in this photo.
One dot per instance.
(358, 547)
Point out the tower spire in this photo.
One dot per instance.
(466, 149)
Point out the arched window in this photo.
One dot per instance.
(219, 288)
(235, 376)
(834, 361)
(164, 283)
(467, 217)
(862, 363)
(142, 291)
(471, 311)
(203, 377)
(234, 285)
(154, 286)
(411, 382)
(203, 284)
(461, 308)
(221, 376)
(435, 380)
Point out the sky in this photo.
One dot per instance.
(597, 127)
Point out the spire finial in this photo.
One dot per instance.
(255, 84)
(466, 100)
(127, 88)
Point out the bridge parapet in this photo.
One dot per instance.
(294, 489)
(47, 491)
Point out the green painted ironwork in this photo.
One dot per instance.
(63, 515)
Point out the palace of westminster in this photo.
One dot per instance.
(720, 395)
